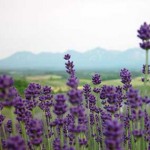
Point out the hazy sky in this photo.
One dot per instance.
(58, 25)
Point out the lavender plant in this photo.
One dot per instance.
(96, 117)
(144, 35)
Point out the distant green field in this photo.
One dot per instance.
(58, 83)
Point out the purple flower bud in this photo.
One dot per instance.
(60, 107)
(144, 32)
(92, 120)
(96, 79)
(86, 89)
(67, 57)
(96, 90)
(144, 69)
(145, 45)
(92, 99)
(146, 100)
(47, 90)
(57, 144)
(125, 78)
(137, 133)
(35, 131)
(8, 126)
(103, 92)
(83, 142)
(1, 119)
(20, 110)
(73, 82)
(75, 96)
(15, 143)
(70, 67)
(133, 98)
(113, 135)
(7, 91)
(33, 90)
(6, 81)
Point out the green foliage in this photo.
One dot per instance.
(21, 84)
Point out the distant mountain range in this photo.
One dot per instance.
(97, 58)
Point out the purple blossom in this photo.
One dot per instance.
(1, 106)
(7, 91)
(8, 126)
(92, 99)
(146, 100)
(30, 104)
(73, 82)
(57, 144)
(70, 67)
(75, 96)
(83, 142)
(134, 99)
(144, 35)
(77, 128)
(125, 78)
(46, 90)
(144, 69)
(35, 131)
(144, 32)
(136, 114)
(60, 107)
(137, 133)
(67, 57)
(1, 119)
(112, 98)
(92, 119)
(96, 90)
(22, 114)
(6, 81)
(113, 135)
(46, 99)
(77, 110)
(33, 91)
(103, 92)
(68, 148)
(86, 89)
(96, 79)
(15, 143)
(145, 45)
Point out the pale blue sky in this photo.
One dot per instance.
(58, 25)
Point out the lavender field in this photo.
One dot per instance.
(109, 115)
(79, 119)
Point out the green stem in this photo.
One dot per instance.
(133, 144)
(4, 131)
(0, 143)
(77, 143)
(126, 145)
(47, 130)
(102, 133)
(23, 132)
(61, 136)
(13, 121)
(146, 68)
(38, 147)
(143, 142)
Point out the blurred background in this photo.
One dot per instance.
(100, 35)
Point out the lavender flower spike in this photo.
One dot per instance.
(144, 32)
(96, 79)
(114, 135)
(15, 143)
